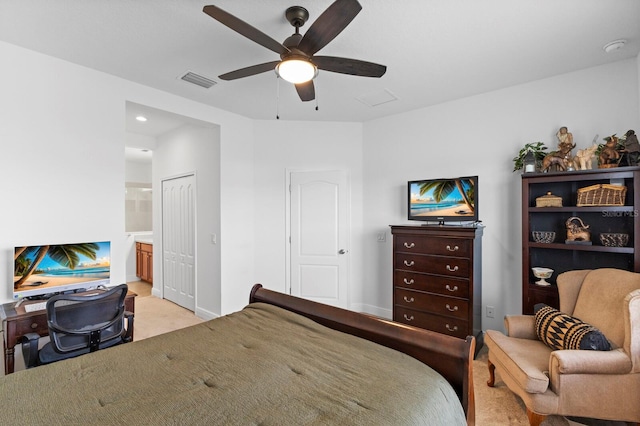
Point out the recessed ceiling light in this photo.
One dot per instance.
(141, 118)
(614, 45)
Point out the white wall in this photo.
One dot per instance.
(480, 135)
(62, 164)
(62, 168)
(283, 147)
(137, 172)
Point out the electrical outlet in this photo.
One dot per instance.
(381, 237)
(490, 311)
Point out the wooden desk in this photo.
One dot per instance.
(16, 322)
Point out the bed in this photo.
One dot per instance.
(281, 360)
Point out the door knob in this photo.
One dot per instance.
(343, 251)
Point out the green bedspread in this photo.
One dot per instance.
(262, 365)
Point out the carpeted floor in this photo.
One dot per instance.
(157, 316)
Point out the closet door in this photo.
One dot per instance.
(178, 240)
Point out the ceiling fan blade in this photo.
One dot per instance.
(329, 25)
(306, 91)
(349, 66)
(245, 29)
(249, 71)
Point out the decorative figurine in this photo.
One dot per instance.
(584, 157)
(577, 231)
(609, 156)
(564, 137)
(560, 158)
(630, 149)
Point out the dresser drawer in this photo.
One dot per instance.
(441, 265)
(33, 324)
(455, 287)
(432, 245)
(433, 303)
(451, 326)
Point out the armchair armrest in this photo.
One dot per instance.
(521, 326)
(589, 362)
(30, 349)
(128, 336)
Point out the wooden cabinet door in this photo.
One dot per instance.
(138, 260)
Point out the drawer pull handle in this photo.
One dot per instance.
(408, 318)
(409, 263)
(454, 328)
(409, 299)
(455, 287)
(450, 269)
(449, 308)
(455, 248)
(34, 325)
(409, 245)
(409, 282)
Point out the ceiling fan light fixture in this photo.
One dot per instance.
(297, 71)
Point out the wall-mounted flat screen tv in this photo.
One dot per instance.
(49, 269)
(443, 200)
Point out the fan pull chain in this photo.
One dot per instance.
(316, 95)
(277, 97)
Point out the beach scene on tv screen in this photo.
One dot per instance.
(445, 197)
(37, 267)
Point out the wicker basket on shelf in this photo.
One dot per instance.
(614, 239)
(549, 200)
(602, 194)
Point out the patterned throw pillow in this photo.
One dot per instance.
(562, 331)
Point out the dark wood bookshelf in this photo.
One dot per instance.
(561, 256)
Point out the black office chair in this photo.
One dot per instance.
(79, 325)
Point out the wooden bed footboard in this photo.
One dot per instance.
(449, 356)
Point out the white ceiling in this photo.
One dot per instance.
(435, 50)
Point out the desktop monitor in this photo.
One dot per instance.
(45, 270)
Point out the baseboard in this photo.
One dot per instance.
(372, 310)
(205, 315)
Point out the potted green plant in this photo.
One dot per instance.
(535, 149)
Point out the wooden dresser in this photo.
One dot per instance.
(437, 275)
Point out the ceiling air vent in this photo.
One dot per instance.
(198, 80)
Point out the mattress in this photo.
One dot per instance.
(261, 365)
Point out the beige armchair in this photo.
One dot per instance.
(582, 383)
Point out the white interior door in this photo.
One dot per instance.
(178, 240)
(319, 222)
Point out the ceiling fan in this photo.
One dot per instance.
(298, 63)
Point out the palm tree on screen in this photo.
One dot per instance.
(443, 188)
(66, 255)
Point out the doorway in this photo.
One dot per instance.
(182, 146)
(319, 236)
